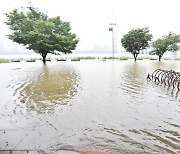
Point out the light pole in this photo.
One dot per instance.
(112, 29)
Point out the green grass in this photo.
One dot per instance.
(4, 61)
(75, 59)
(123, 58)
(153, 59)
(88, 58)
(106, 58)
(117, 58)
(167, 58)
(139, 58)
(146, 58)
(177, 58)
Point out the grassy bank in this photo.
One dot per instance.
(122, 58)
(117, 58)
(4, 61)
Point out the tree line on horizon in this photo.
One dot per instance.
(37, 32)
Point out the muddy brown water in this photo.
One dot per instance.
(87, 106)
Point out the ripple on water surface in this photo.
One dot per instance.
(88, 106)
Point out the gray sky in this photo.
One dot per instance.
(90, 18)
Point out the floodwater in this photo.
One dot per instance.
(78, 107)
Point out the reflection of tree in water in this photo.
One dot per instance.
(133, 77)
(54, 86)
(167, 65)
(133, 72)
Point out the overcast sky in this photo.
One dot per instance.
(90, 18)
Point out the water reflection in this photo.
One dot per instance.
(157, 114)
(167, 65)
(51, 87)
(133, 80)
(116, 110)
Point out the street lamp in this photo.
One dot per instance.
(112, 29)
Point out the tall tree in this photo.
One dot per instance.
(166, 43)
(136, 40)
(37, 32)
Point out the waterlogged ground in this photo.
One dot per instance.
(87, 107)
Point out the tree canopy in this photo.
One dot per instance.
(37, 32)
(136, 40)
(166, 43)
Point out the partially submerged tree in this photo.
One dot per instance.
(136, 40)
(37, 32)
(166, 43)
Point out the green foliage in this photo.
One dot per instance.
(136, 40)
(36, 31)
(4, 61)
(166, 43)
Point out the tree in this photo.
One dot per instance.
(37, 32)
(166, 43)
(136, 40)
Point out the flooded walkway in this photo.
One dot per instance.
(87, 107)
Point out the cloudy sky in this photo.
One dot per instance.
(90, 18)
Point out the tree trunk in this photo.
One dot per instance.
(159, 57)
(135, 56)
(44, 57)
